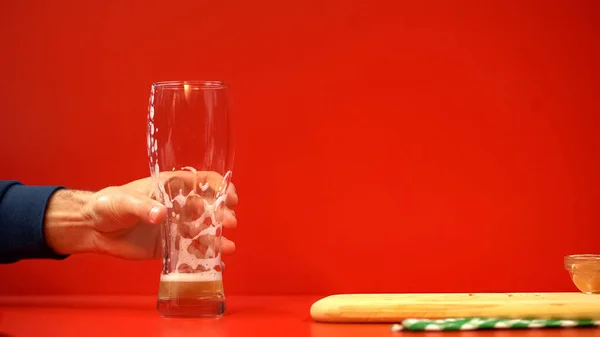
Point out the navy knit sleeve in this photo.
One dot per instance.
(22, 211)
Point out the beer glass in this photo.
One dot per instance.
(190, 155)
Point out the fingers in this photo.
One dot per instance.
(227, 246)
(199, 247)
(206, 183)
(189, 205)
(127, 209)
(157, 214)
(229, 219)
(192, 209)
(206, 246)
(232, 197)
(187, 225)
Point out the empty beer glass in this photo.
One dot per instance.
(190, 155)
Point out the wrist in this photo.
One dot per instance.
(67, 227)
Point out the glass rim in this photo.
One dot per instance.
(195, 84)
(583, 257)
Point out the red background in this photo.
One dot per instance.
(382, 146)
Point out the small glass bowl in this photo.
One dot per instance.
(585, 272)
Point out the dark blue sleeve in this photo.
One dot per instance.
(22, 211)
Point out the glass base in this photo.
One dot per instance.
(209, 307)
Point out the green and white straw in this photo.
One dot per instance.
(452, 324)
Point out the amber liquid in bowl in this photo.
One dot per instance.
(585, 272)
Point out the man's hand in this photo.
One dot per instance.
(122, 221)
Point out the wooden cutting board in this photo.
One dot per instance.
(392, 308)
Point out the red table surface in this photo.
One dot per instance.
(286, 316)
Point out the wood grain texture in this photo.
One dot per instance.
(365, 308)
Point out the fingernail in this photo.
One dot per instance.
(154, 214)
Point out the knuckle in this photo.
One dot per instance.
(109, 203)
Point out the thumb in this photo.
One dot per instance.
(129, 209)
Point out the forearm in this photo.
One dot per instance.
(67, 225)
(22, 211)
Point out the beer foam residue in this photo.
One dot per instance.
(185, 277)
